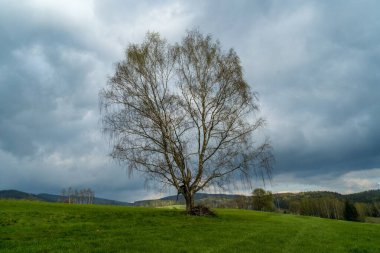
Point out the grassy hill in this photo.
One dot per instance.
(32, 226)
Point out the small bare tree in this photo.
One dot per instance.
(63, 195)
(70, 192)
(183, 115)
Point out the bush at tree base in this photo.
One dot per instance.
(201, 210)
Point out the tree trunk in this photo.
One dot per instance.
(189, 201)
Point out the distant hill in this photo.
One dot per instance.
(365, 197)
(100, 201)
(14, 194)
(181, 199)
(281, 199)
(312, 194)
(205, 196)
(49, 197)
(199, 196)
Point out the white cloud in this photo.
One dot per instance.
(348, 182)
(355, 181)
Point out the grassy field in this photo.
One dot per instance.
(27, 226)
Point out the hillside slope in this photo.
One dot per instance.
(29, 226)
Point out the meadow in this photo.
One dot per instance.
(32, 226)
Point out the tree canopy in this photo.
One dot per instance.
(184, 115)
(262, 200)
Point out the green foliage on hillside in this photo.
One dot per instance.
(365, 197)
(350, 213)
(30, 226)
(262, 200)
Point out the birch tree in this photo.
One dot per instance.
(183, 115)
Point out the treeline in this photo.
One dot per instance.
(371, 196)
(326, 205)
(77, 196)
(320, 204)
(332, 205)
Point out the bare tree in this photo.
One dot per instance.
(78, 196)
(88, 196)
(91, 196)
(70, 192)
(81, 196)
(63, 195)
(183, 115)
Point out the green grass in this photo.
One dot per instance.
(372, 220)
(179, 207)
(27, 226)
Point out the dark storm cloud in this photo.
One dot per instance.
(332, 109)
(314, 63)
(54, 60)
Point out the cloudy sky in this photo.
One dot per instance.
(315, 65)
